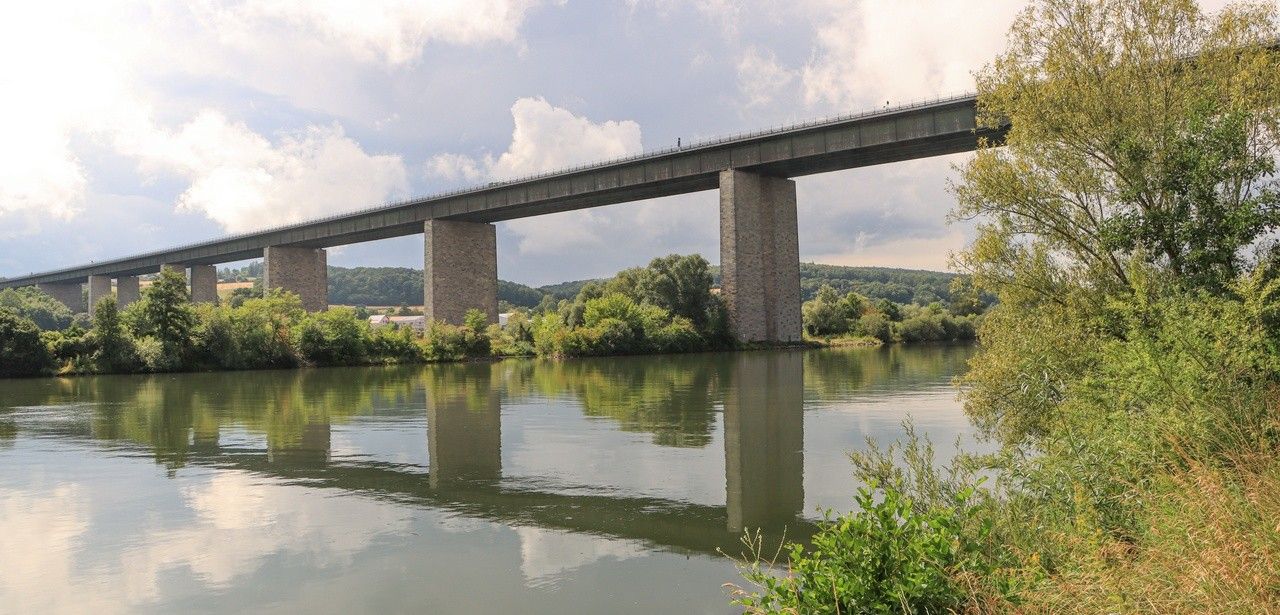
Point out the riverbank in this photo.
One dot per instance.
(668, 307)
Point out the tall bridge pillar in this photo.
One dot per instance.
(764, 440)
(304, 271)
(460, 266)
(760, 256)
(127, 290)
(204, 283)
(70, 294)
(99, 289)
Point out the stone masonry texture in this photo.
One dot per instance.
(99, 288)
(71, 294)
(460, 266)
(204, 283)
(127, 290)
(304, 271)
(760, 256)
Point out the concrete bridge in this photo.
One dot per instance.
(759, 248)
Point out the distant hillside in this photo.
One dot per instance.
(899, 285)
(403, 286)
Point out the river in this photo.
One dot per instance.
(523, 486)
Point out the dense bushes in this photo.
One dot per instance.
(22, 352)
(164, 331)
(665, 307)
(887, 557)
(852, 315)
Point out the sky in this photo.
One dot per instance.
(138, 125)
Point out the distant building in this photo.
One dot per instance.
(418, 323)
(502, 318)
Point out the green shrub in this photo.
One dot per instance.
(333, 337)
(22, 351)
(114, 349)
(887, 557)
(922, 328)
(395, 345)
(876, 325)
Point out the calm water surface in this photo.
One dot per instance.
(595, 486)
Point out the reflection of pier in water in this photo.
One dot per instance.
(762, 396)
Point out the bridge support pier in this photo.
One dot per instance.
(460, 266)
(760, 256)
(204, 283)
(304, 271)
(764, 440)
(127, 290)
(69, 294)
(99, 289)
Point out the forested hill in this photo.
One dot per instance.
(403, 286)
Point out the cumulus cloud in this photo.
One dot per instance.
(900, 51)
(761, 77)
(546, 138)
(81, 75)
(390, 31)
(243, 181)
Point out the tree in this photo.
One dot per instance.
(114, 349)
(965, 298)
(32, 303)
(1141, 134)
(1140, 160)
(22, 352)
(679, 284)
(166, 315)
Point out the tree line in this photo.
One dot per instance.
(669, 306)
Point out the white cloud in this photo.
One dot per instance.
(546, 138)
(455, 167)
(244, 182)
(871, 52)
(390, 31)
(60, 77)
(761, 78)
(80, 74)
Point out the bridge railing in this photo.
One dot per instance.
(599, 164)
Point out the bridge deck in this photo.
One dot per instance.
(890, 135)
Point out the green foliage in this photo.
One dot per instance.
(333, 337)
(165, 313)
(113, 348)
(240, 295)
(22, 351)
(887, 557)
(32, 303)
(375, 286)
(633, 313)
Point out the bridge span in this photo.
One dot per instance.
(759, 247)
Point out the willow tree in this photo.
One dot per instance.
(1140, 150)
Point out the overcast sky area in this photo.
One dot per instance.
(133, 126)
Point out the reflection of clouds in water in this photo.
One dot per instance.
(545, 554)
(239, 522)
(244, 520)
(38, 534)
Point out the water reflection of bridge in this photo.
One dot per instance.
(182, 421)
